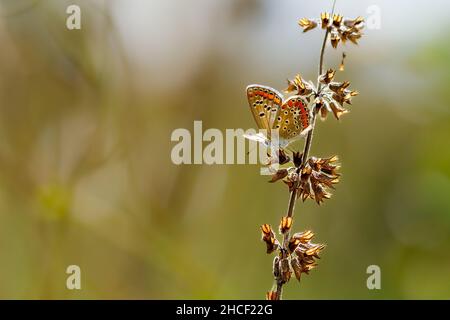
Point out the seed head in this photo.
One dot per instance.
(325, 18)
(316, 178)
(280, 174)
(307, 24)
(283, 158)
(339, 28)
(337, 20)
(300, 87)
(333, 96)
(285, 224)
(327, 77)
(269, 238)
(298, 158)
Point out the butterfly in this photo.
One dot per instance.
(272, 111)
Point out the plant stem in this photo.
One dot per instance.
(279, 289)
(293, 195)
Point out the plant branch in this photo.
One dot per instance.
(322, 54)
(293, 195)
(308, 142)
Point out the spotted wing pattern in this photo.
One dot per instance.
(265, 103)
(271, 111)
(292, 118)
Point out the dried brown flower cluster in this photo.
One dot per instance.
(338, 27)
(332, 96)
(300, 256)
(310, 177)
(301, 87)
(314, 180)
(269, 238)
(305, 253)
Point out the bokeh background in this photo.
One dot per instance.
(86, 176)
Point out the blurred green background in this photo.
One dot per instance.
(86, 176)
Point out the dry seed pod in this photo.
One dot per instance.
(317, 177)
(303, 87)
(298, 158)
(335, 39)
(325, 19)
(327, 77)
(304, 236)
(307, 24)
(340, 29)
(285, 224)
(354, 23)
(295, 264)
(293, 244)
(283, 158)
(337, 20)
(269, 238)
(280, 174)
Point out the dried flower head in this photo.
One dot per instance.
(297, 158)
(325, 19)
(302, 264)
(337, 20)
(280, 158)
(300, 87)
(333, 96)
(285, 224)
(297, 268)
(316, 178)
(355, 23)
(283, 158)
(334, 38)
(327, 77)
(305, 252)
(280, 174)
(269, 238)
(307, 24)
(340, 29)
(299, 237)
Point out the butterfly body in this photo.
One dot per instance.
(271, 111)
